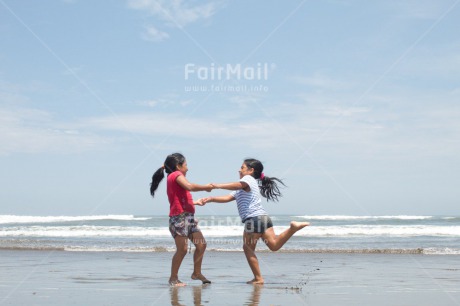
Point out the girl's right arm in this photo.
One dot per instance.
(231, 186)
(184, 183)
(221, 199)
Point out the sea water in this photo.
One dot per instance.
(327, 233)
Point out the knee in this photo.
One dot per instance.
(247, 248)
(272, 246)
(182, 251)
(201, 246)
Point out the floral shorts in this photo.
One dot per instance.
(183, 225)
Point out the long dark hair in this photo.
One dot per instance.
(169, 166)
(268, 185)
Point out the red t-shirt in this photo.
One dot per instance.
(180, 200)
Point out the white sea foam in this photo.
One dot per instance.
(437, 235)
(169, 248)
(231, 231)
(382, 230)
(83, 231)
(441, 251)
(345, 217)
(120, 249)
(12, 219)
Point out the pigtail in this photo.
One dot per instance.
(269, 188)
(169, 166)
(156, 179)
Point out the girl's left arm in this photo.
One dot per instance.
(184, 183)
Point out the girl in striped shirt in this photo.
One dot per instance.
(247, 192)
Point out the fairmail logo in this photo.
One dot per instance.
(238, 72)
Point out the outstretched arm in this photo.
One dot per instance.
(231, 186)
(184, 183)
(221, 199)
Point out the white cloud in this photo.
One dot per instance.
(158, 124)
(259, 132)
(155, 35)
(149, 103)
(384, 125)
(320, 81)
(438, 62)
(175, 13)
(34, 131)
(244, 101)
(420, 9)
(165, 102)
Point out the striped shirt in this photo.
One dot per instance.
(249, 202)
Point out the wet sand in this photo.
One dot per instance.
(118, 278)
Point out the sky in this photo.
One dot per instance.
(353, 104)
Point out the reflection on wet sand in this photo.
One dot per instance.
(197, 294)
(196, 290)
(254, 298)
(174, 291)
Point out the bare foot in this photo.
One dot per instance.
(256, 281)
(176, 283)
(299, 225)
(201, 277)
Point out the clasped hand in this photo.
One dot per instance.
(203, 201)
(210, 187)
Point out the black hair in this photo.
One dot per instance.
(169, 166)
(268, 185)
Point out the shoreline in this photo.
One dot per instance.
(389, 251)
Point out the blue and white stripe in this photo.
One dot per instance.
(249, 203)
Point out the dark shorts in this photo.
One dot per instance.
(183, 225)
(257, 224)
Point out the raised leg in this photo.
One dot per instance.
(275, 242)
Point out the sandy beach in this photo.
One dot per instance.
(118, 278)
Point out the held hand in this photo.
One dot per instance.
(200, 202)
(209, 187)
(206, 200)
(214, 185)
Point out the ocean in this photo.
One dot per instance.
(401, 234)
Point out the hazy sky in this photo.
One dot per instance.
(355, 104)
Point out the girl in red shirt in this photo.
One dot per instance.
(182, 224)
